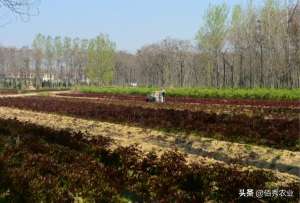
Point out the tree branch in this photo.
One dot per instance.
(293, 12)
(22, 8)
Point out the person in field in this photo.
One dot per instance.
(162, 95)
(157, 96)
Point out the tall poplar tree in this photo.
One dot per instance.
(100, 65)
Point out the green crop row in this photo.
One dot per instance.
(228, 93)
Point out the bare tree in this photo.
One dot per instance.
(19, 7)
(22, 9)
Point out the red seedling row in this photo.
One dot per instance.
(280, 133)
(47, 167)
(247, 102)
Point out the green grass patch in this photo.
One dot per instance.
(227, 93)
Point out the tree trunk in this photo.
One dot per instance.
(261, 67)
(181, 74)
(241, 79)
(224, 71)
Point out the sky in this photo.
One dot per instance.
(129, 23)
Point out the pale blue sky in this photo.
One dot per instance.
(130, 23)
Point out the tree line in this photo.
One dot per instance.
(243, 46)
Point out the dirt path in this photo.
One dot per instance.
(195, 147)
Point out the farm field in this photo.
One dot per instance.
(188, 143)
(268, 108)
(206, 150)
(276, 132)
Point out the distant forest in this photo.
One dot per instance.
(243, 46)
